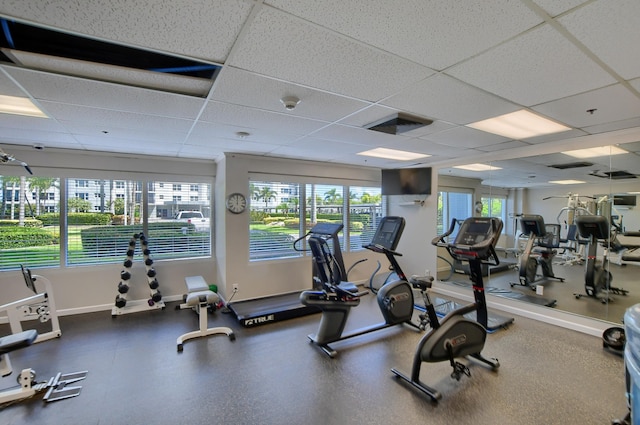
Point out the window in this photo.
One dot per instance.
(495, 206)
(193, 188)
(325, 203)
(275, 224)
(365, 212)
(276, 209)
(99, 227)
(29, 231)
(452, 205)
(173, 235)
(177, 187)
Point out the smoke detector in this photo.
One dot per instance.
(290, 102)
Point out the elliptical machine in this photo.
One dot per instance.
(337, 298)
(597, 278)
(456, 336)
(539, 251)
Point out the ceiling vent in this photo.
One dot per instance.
(572, 165)
(399, 123)
(614, 175)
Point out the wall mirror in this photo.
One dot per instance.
(558, 187)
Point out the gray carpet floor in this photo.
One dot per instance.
(272, 375)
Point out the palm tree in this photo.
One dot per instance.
(265, 193)
(332, 196)
(8, 184)
(40, 185)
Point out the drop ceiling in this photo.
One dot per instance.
(350, 64)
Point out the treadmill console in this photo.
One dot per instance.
(331, 229)
(593, 225)
(388, 233)
(477, 238)
(532, 225)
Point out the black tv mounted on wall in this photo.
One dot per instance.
(406, 181)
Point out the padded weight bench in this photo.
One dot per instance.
(198, 298)
(58, 387)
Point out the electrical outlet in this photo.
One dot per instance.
(235, 287)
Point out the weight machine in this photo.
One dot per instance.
(39, 306)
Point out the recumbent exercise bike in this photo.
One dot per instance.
(539, 251)
(597, 279)
(456, 336)
(395, 298)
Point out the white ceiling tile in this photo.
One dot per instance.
(364, 117)
(465, 137)
(556, 7)
(536, 67)
(611, 103)
(412, 30)
(444, 98)
(30, 136)
(78, 91)
(593, 24)
(513, 144)
(203, 29)
(249, 89)
(206, 133)
(74, 117)
(241, 116)
(613, 126)
(347, 134)
(284, 47)
(8, 87)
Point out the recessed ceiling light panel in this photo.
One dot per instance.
(519, 125)
(393, 154)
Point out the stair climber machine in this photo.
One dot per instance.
(456, 336)
(337, 298)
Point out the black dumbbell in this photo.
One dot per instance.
(123, 288)
(125, 275)
(120, 302)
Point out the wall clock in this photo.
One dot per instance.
(236, 203)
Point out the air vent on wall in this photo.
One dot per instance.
(572, 165)
(399, 123)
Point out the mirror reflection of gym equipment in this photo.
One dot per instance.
(540, 250)
(595, 228)
(337, 298)
(455, 336)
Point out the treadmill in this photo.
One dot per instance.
(262, 311)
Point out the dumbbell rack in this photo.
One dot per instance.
(122, 304)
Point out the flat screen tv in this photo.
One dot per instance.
(624, 200)
(406, 181)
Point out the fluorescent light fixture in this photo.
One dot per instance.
(519, 125)
(393, 154)
(477, 167)
(20, 106)
(567, 182)
(595, 152)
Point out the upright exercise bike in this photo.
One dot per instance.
(543, 240)
(597, 279)
(456, 336)
(395, 298)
